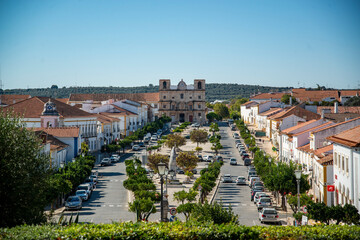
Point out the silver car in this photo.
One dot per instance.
(269, 215)
(73, 203)
(227, 178)
(258, 195)
(83, 194)
(241, 180)
(264, 202)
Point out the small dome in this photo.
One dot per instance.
(50, 108)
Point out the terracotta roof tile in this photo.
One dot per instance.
(269, 95)
(9, 99)
(300, 125)
(141, 97)
(340, 117)
(62, 132)
(320, 151)
(297, 111)
(106, 119)
(122, 110)
(250, 103)
(335, 125)
(64, 100)
(327, 160)
(33, 108)
(314, 128)
(305, 148)
(350, 138)
(341, 109)
(314, 95)
(271, 111)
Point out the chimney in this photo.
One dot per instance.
(322, 113)
(335, 107)
(290, 100)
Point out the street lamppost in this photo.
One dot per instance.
(161, 169)
(298, 177)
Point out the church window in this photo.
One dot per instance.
(199, 85)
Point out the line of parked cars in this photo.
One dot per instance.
(82, 193)
(262, 200)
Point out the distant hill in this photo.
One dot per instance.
(213, 90)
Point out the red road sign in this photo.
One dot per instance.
(173, 211)
(330, 188)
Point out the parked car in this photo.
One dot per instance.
(233, 127)
(180, 171)
(105, 162)
(86, 187)
(113, 159)
(244, 156)
(218, 158)
(257, 183)
(257, 189)
(208, 158)
(264, 202)
(91, 183)
(194, 171)
(233, 161)
(251, 169)
(73, 203)
(236, 135)
(83, 194)
(116, 156)
(247, 161)
(227, 178)
(200, 158)
(135, 148)
(141, 144)
(146, 140)
(257, 196)
(237, 141)
(253, 192)
(241, 180)
(154, 138)
(94, 178)
(195, 125)
(253, 179)
(242, 152)
(269, 215)
(251, 174)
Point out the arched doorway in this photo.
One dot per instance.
(182, 117)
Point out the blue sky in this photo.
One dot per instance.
(135, 43)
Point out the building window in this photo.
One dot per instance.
(342, 163)
(190, 107)
(199, 96)
(172, 107)
(164, 106)
(347, 165)
(190, 97)
(199, 106)
(164, 85)
(199, 85)
(173, 97)
(182, 96)
(164, 97)
(155, 105)
(199, 114)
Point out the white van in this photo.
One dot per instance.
(253, 179)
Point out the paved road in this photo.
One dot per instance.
(230, 193)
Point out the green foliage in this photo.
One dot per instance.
(286, 99)
(155, 159)
(143, 207)
(198, 136)
(24, 174)
(221, 110)
(235, 115)
(293, 199)
(175, 140)
(186, 209)
(354, 101)
(187, 161)
(211, 116)
(178, 230)
(214, 127)
(207, 179)
(215, 213)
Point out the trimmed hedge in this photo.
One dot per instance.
(178, 230)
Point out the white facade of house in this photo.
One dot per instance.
(347, 175)
(58, 156)
(247, 112)
(323, 176)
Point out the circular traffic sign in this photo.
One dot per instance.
(304, 209)
(173, 211)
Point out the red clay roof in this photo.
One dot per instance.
(335, 125)
(9, 99)
(314, 128)
(297, 111)
(314, 95)
(64, 100)
(268, 95)
(320, 151)
(300, 125)
(270, 111)
(341, 109)
(122, 110)
(350, 138)
(33, 108)
(106, 119)
(305, 148)
(327, 160)
(61, 131)
(142, 97)
(249, 103)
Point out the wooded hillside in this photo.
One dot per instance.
(213, 90)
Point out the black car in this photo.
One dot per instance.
(180, 171)
(141, 144)
(200, 158)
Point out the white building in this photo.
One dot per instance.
(347, 166)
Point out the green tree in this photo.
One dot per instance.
(198, 136)
(319, 212)
(155, 159)
(214, 127)
(222, 110)
(182, 196)
(187, 161)
(354, 101)
(24, 174)
(175, 140)
(215, 212)
(84, 148)
(351, 214)
(234, 115)
(211, 116)
(143, 208)
(186, 209)
(293, 199)
(286, 99)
